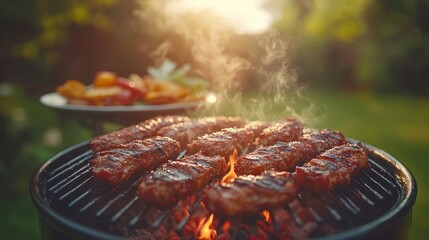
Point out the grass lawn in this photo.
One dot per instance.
(396, 124)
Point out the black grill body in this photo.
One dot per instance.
(377, 204)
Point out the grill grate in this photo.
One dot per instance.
(71, 190)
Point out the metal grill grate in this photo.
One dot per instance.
(69, 188)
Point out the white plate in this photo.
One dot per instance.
(122, 114)
(54, 100)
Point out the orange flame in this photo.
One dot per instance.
(226, 226)
(266, 215)
(186, 212)
(231, 174)
(206, 230)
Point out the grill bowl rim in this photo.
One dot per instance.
(51, 215)
(408, 199)
(408, 184)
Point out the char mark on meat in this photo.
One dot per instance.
(174, 180)
(119, 164)
(138, 131)
(284, 131)
(250, 194)
(332, 168)
(285, 156)
(223, 142)
(186, 132)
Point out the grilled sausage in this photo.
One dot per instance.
(185, 132)
(285, 156)
(223, 142)
(332, 168)
(250, 194)
(284, 131)
(138, 131)
(174, 180)
(119, 164)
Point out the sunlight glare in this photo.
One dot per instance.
(244, 16)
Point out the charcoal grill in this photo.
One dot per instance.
(377, 204)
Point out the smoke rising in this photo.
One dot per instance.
(251, 77)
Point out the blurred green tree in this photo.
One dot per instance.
(395, 53)
(46, 42)
(34, 36)
(359, 44)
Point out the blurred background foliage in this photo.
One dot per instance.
(361, 44)
(375, 45)
(358, 57)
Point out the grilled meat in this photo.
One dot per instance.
(223, 142)
(174, 180)
(138, 131)
(185, 132)
(117, 165)
(332, 168)
(258, 126)
(249, 195)
(285, 131)
(285, 156)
